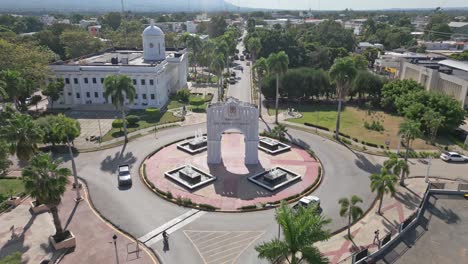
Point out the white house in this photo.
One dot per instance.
(156, 73)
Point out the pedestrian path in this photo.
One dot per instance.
(395, 210)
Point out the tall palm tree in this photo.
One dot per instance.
(67, 130)
(342, 73)
(45, 181)
(194, 44)
(223, 48)
(278, 65)
(254, 46)
(350, 209)
(217, 66)
(117, 87)
(261, 68)
(396, 165)
(410, 131)
(382, 183)
(22, 134)
(301, 229)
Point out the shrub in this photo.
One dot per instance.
(133, 119)
(207, 207)
(187, 202)
(161, 192)
(169, 195)
(248, 207)
(152, 110)
(197, 101)
(316, 126)
(375, 125)
(356, 140)
(346, 141)
(117, 124)
(209, 97)
(183, 95)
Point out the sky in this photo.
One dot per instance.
(351, 4)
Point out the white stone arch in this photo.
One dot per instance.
(232, 114)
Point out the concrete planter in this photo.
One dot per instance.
(15, 201)
(70, 242)
(38, 209)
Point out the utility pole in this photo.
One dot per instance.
(124, 17)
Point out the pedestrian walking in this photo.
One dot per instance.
(376, 237)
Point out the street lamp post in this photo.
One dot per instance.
(114, 238)
(429, 163)
(399, 144)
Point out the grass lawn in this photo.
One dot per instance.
(16, 185)
(352, 123)
(146, 120)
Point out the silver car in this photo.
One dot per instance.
(124, 175)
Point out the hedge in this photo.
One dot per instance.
(316, 126)
(152, 110)
(247, 207)
(207, 207)
(133, 119)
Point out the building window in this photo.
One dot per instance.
(102, 80)
(136, 96)
(67, 80)
(102, 94)
(78, 95)
(143, 82)
(152, 96)
(96, 95)
(69, 94)
(94, 80)
(75, 80)
(134, 81)
(88, 94)
(85, 80)
(151, 82)
(144, 96)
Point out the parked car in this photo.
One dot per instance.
(239, 68)
(233, 74)
(453, 156)
(124, 175)
(232, 80)
(242, 58)
(236, 57)
(308, 201)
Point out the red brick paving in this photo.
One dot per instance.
(232, 189)
(94, 237)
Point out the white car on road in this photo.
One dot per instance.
(308, 201)
(453, 156)
(124, 175)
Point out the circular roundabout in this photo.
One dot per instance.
(233, 186)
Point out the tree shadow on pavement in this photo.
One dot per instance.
(447, 215)
(410, 201)
(365, 164)
(111, 163)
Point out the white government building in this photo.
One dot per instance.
(156, 72)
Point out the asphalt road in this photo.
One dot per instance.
(241, 89)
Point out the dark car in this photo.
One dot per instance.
(125, 179)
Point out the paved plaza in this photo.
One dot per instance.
(232, 189)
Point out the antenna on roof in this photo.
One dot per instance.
(124, 17)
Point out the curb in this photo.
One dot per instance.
(315, 185)
(153, 254)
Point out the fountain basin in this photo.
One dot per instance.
(275, 178)
(272, 146)
(190, 177)
(195, 145)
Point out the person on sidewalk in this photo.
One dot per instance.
(376, 237)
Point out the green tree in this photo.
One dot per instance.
(45, 181)
(261, 68)
(4, 158)
(22, 135)
(433, 121)
(399, 88)
(279, 131)
(112, 20)
(254, 46)
(53, 90)
(382, 183)
(251, 23)
(277, 65)
(14, 258)
(371, 54)
(217, 26)
(396, 165)
(217, 66)
(118, 88)
(342, 73)
(79, 43)
(367, 83)
(409, 130)
(350, 209)
(301, 230)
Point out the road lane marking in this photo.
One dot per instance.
(167, 225)
(158, 237)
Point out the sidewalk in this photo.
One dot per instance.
(395, 210)
(94, 242)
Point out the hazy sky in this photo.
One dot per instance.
(352, 4)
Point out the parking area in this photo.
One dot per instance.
(441, 237)
(93, 123)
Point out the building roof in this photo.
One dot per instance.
(458, 24)
(460, 65)
(152, 30)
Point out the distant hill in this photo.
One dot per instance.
(114, 5)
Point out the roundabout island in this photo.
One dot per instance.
(230, 171)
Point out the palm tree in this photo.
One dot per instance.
(278, 65)
(22, 134)
(260, 67)
(217, 66)
(396, 165)
(117, 87)
(194, 44)
(382, 183)
(67, 130)
(342, 73)
(279, 131)
(46, 182)
(301, 229)
(254, 46)
(410, 131)
(350, 209)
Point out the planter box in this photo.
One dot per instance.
(15, 201)
(39, 209)
(70, 242)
